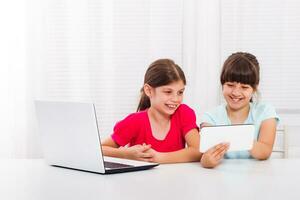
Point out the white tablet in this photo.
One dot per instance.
(240, 136)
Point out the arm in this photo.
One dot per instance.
(137, 152)
(262, 148)
(189, 154)
(111, 148)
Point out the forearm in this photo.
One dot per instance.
(114, 152)
(188, 154)
(261, 151)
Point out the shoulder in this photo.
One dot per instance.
(184, 111)
(137, 115)
(128, 128)
(263, 110)
(260, 108)
(185, 118)
(217, 111)
(184, 108)
(132, 119)
(215, 116)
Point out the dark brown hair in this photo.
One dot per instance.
(241, 67)
(160, 72)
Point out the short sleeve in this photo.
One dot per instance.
(187, 119)
(268, 113)
(125, 130)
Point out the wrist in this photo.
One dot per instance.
(123, 152)
(205, 162)
(160, 157)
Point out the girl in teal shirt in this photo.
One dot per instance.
(240, 79)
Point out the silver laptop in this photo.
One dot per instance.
(70, 139)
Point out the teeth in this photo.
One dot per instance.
(235, 99)
(172, 106)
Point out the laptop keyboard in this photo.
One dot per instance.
(113, 165)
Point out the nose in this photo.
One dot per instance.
(236, 90)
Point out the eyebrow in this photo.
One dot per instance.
(168, 88)
(230, 82)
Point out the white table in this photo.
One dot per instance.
(234, 179)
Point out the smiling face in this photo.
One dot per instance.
(166, 99)
(237, 95)
(239, 79)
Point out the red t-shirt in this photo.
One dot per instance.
(135, 129)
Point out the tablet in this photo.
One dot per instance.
(239, 136)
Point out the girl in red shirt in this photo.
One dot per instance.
(161, 127)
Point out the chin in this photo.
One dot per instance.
(236, 106)
(169, 112)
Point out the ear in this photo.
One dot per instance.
(148, 90)
(255, 89)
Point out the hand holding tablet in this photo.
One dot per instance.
(240, 137)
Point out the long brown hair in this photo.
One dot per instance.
(160, 72)
(241, 67)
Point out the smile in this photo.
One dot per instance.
(234, 99)
(172, 106)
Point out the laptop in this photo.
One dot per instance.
(70, 139)
(240, 136)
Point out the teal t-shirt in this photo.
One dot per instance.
(257, 114)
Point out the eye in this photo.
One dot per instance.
(180, 92)
(168, 92)
(245, 87)
(229, 84)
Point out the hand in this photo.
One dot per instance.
(156, 156)
(213, 156)
(138, 152)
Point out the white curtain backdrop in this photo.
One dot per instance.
(270, 30)
(18, 137)
(98, 51)
(201, 53)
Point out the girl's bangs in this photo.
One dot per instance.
(241, 72)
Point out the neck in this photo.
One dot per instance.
(160, 123)
(238, 116)
(157, 116)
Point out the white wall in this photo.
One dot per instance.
(269, 29)
(98, 51)
(18, 137)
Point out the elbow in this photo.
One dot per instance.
(264, 155)
(263, 158)
(261, 151)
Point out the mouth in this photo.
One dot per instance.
(235, 99)
(172, 106)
